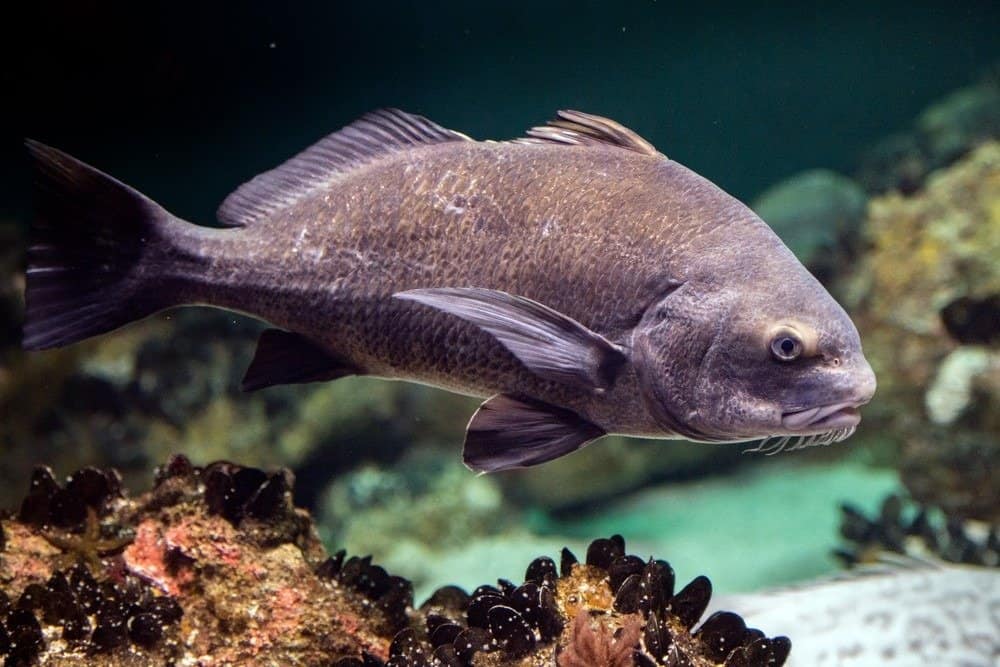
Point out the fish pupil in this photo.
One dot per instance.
(786, 347)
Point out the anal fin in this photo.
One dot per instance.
(517, 432)
(283, 357)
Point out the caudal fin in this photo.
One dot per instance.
(89, 262)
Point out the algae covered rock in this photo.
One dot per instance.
(214, 565)
(925, 297)
(961, 121)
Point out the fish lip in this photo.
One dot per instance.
(832, 416)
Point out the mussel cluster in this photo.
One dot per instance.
(611, 604)
(390, 595)
(49, 504)
(233, 491)
(512, 621)
(922, 531)
(647, 588)
(236, 492)
(97, 617)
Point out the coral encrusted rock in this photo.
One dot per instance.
(926, 298)
(215, 566)
(612, 606)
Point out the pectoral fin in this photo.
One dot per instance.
(550, 344)
(283, 357)
(517, 432)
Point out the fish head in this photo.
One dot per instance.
(728, 363)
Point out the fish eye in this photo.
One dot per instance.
(786, 345)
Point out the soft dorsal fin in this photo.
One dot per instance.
(367, 139)
(575, 128)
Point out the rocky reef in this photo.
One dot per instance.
(214, 565)
(927, 296)
(907, 528)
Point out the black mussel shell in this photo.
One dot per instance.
(511, 631)
(691, 601)
(541, 571)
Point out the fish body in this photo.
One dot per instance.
(579, 277)
(586, 244)
(926, 614)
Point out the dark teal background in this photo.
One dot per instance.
(186, 100)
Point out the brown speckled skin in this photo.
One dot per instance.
(601, 234)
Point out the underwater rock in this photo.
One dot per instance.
(817, 213)
(914, 530)
(216, 566)
(895, 163)
(922, 295)
(213, 565)
(960, 122)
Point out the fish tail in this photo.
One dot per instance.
(99, 256)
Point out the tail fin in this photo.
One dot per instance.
(89, 239)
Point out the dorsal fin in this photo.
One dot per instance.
(374, 135)
(576, 128)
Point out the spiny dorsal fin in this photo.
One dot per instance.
(374, 135)
(576, 128)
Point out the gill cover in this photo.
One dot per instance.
(669, 349)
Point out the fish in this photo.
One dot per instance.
(903, 614)
(576, 278)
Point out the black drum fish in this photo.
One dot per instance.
(576, 278)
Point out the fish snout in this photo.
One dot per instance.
(858, 389)
(863, 379)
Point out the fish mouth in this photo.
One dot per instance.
(823, 418)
